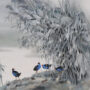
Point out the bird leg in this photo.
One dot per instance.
(36, 72)
(16, 78)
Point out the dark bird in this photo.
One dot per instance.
(37, 67)
(46, 66)
(59, 69)
(15, 73)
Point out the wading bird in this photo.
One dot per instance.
(16, 74)
(46, 66)
(59, 69)
(37, 67)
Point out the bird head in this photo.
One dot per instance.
(38, 62)
(13, 69)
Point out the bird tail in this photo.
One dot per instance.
(19, 73)
(50, 65)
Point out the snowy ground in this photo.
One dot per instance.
(21, 59)
(44, 83)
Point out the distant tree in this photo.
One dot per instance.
(59, 33)
(1, 70)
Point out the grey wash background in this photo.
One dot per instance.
(12, 56)
(8, 36)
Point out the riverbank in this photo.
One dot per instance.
(42, 81)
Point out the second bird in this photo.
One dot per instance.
(46, 66)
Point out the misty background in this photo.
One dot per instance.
(8, 36)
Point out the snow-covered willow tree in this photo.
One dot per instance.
(60, 33)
